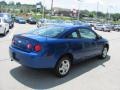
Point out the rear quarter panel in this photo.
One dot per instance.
(57, 48)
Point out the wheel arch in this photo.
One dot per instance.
(65, 55)
(107, 45)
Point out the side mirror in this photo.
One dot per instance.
(99, 37)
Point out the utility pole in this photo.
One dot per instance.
(97, 10)
(78, 10)
(51, 9)
(43, 14)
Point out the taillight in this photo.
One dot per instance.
(37, 48)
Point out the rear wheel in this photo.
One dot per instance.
(5, 32)
(63, 67)
(102, 29)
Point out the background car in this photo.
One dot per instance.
(76, 22)
(103, 27)
(8, 18)
(117, 28)
(20, 20)
(4, 26)
(31, 20)
(46, 22)
(57, 47)
(68, 22)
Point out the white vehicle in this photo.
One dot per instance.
(103, 27)
(4, 26)
(117, 28)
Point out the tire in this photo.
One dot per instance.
(5, 32)
(8, 30)
(102, 29)
(104, 53)
(63, 67)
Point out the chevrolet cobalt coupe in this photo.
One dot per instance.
(57, 47)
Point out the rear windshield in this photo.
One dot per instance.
(49, 31)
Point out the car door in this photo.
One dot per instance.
(89, 42)
(76, 45)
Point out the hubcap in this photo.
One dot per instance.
(105, 52)
(64, 67)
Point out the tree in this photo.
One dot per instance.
(21, 11)
(116, 16)
(84, 13)
(18, 4)
(11, 3)
(3, 3)
(100, 15)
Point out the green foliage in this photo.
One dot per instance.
(18, 4)
(64, 14)
(3, 3)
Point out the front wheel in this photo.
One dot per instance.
(63, 67)
(104, 53)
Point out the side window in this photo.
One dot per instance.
(86, 33)
(73, 35)
(5, 20)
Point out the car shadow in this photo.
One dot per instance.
(44, 79)
(2, 36)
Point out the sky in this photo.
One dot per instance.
(111, 6)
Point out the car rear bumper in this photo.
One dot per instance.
(32, 22)
(32, 60)
(22, 22)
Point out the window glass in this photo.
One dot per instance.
(48, 31)
(86, 33)
(73, 35)
(5, 20)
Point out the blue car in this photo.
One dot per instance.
(57, 47)
(20, 20)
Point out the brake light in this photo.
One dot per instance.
(37, 48)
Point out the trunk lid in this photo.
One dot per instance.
(21, 41)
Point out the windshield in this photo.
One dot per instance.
(21, 18)
(50, 31)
